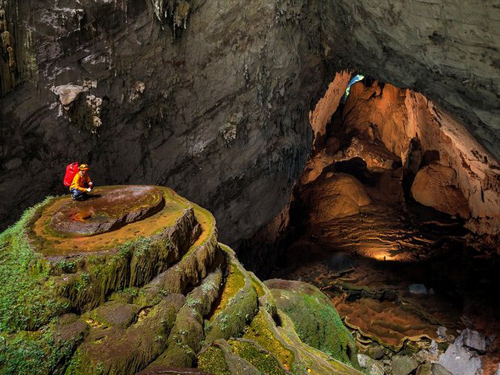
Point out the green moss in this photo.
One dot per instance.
(115, 314)
(124, 351)
(34, 353)
(27, 297)
(262, 359)
(235, 281)
(238, 305)
(316, 320)
(261, 332)
(135, 263)
(187, 335)
(257, 285)
(212, 360)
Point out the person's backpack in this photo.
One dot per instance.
(71, 170)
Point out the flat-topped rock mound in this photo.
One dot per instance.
(134, 281)
(107, 209)
(111, 217)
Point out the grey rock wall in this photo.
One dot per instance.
(213, 98)
(219, 113)
(448, 50)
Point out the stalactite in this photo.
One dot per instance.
(174, 13)
(7, 54)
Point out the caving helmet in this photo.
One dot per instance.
(84, 167)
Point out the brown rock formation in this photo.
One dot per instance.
(435, 186)
(336, 196)
(418, 132)
(107, 209)
(448, 51)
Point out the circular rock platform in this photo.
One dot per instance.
(111, 217)
(107, 210)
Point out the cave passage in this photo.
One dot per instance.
(386, 224)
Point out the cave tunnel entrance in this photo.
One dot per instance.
(387, 220)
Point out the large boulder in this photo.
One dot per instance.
(335, 196)
(434, 186)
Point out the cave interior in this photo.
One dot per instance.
(384, 221)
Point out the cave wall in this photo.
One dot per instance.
(445, 50)
(213, 98)
(414, 129)
(218, 110)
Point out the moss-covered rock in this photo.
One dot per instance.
(185, 339)
(262, 359)
(316, 321)
(238, 303)
(115, 314)
(114, 350)
(218, 359)
(158, 294)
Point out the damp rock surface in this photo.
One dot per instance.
(106, 209)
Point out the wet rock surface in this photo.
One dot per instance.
(107, 209)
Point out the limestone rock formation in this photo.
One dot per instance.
(435, 186)
(222, 113)
(445, 50)
(155, 294)
(336, 196)
(419, 133)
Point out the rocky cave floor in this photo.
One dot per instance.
(411, 282)
(397, 283)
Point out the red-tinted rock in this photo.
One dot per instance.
(107, 209)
